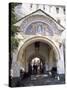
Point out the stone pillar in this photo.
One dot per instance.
(25, 60)
(22, 62)
(47, 8)
(60, 63)
(61, 11)
(26, 66)
(15, 68)
(50, 59)
(53, 10)
(41, 6)
(46, 67)
(34, 7)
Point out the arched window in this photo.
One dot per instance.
(37, 6)
(57, 10)
(64, 10)
(31, 5)
(50, 9)
(43, 7)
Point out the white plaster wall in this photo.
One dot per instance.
(15, 66)
(30, 50)
(53, 10)
(51, 59)
(60, 63)
(26, 9)
(45, 52)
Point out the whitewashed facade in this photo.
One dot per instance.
(44, 24)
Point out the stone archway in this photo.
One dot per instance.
(40, 63)
(21, 54)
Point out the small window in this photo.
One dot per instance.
(58, 21)
(37, 6)
(57, 9)
(31, 6)
(64, 10)
(44, 7)
(49, 8)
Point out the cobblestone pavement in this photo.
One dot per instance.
(37, 80)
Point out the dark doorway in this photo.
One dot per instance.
(36, 66)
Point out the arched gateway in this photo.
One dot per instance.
(40, 38)
(24, 58)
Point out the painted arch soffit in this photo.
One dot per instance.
(31, 40)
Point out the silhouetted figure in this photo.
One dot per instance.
(21, 74)
(41, 68)
(35, 68)
(30, 69)
(54, 72)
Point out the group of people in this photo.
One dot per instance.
(36, 68)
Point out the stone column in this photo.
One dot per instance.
(60, 63)
(41, 6)
(50, 59)
(53, 10)
(46, 65)
(26, 62)
(15, 68)
(34, 7)
(47, 8)
(22, 61)
(61, 11)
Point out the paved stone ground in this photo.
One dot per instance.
(37, 80)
